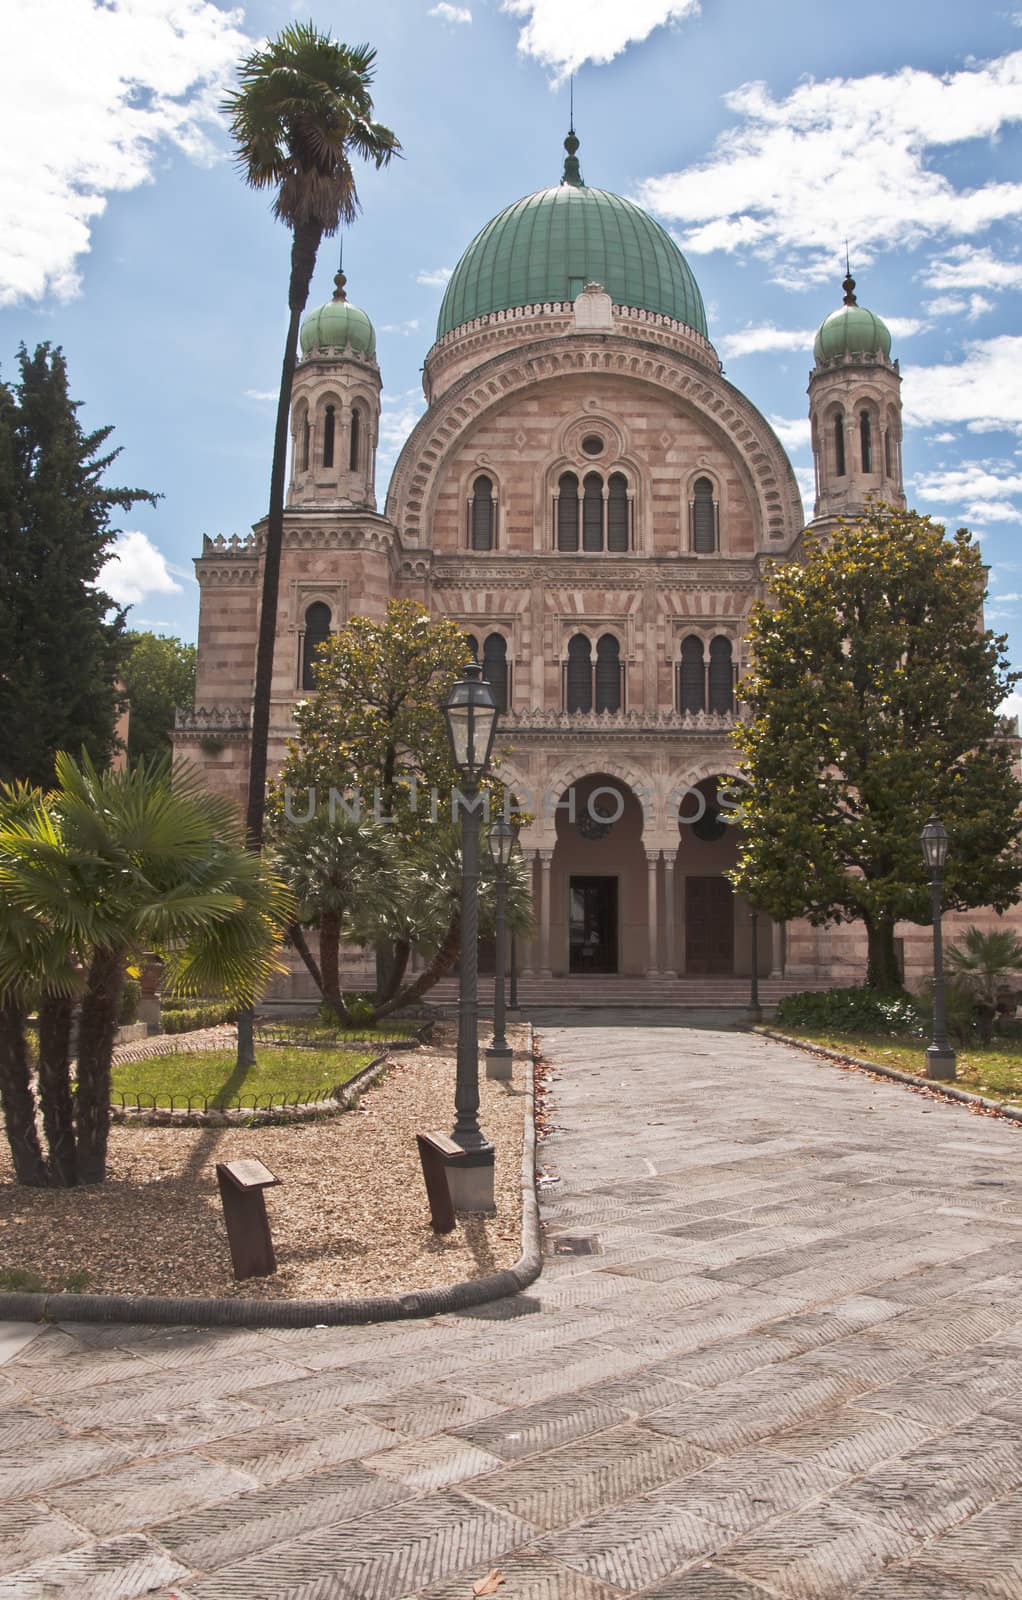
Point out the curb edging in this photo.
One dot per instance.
(215, 1313)
(914, 1080)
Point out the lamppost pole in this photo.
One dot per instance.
(471, 716)
(940, 1057)
(499, 1054)
(512, 998)
(755, 1009)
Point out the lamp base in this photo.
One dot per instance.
(470, 1181)
(499, 1062)
(940, 1062)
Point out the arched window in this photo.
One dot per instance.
(721, 676)
(617, 513)
(567, 512)
(692, 676)
(473, 644)
(608, 674)
(866, 441)
(317, 629)
(495, 668)
(355, 445)
(592, 512)
(704, 520)
(839, 445)
(578, 694)
(306, 443)
(329, 423)
(887, 453)
(481, 519)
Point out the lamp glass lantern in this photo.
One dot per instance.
(471, 715)
(934, 841)
(501, 841)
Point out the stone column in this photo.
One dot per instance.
(777, 950)
(545, 862)
(652, 857)
(670, 964)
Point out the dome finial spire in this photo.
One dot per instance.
(572, 174)
(339, 278)
(849, 284)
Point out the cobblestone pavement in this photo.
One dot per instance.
(791, 1368)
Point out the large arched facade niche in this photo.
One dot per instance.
(608, 465)
(748, 442)
(713, 925)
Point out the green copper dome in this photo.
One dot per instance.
(549, 245)
(851, 330)
(338, 326)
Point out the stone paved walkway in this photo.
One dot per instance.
(793, 1368)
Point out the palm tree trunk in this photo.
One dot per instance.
(55, 1088)
(97, 1025)
(304, 247)
(390, 973)
(882, 971)
(441, 964)
(17, 1099)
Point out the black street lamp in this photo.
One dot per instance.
(940, 1058)
(755, 1009)
(471, 716)
(500, 839)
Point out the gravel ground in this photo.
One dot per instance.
(350, 1218)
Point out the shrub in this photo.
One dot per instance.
(851, 1011)
(182, 1019)
(361, 1011)
(131, 996)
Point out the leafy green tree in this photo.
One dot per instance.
(60, 636)
(158, 676)
(872, 701)
(374, 734)
(983, 964)
(106, 867)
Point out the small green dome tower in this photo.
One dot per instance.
(338, 326)
(851, 330)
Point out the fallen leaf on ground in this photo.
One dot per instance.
(490, 1584)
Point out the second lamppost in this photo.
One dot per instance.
(500, 839)
(471, 716)
(940, 1058)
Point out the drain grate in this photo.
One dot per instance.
(574, 1244)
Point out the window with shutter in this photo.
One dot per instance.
(579, 687)
(839, 446)
(329, 423)
(693, 676)
(592, 512)
(608, 674)
(617, 513)
(721, 675)
(482, 513)
(495, 668)
(866, 441)
(356, 439)
(317, 629)
(567, 512)
(704, 521)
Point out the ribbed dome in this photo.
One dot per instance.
(338, 326)
(851, 330)
(549, 245)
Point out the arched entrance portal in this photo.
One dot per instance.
(598, 912)
(713, 921)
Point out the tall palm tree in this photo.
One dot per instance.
(114, 864)
(985, 965)
(302, 111)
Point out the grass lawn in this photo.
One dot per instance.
(991, 1070)
(311, 1028)
(278, 1074)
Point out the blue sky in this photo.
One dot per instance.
(760, 135)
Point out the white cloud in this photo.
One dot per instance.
(845, 158)
(136, 569)
(564, 34)
(92, 93)
(262, 394)
(905, 327)
(411, 326)
(984, 391)
(398, 417)
(1012, 707)
(763, 337)
(966, 268)
(968, 480)
(956, 305)
(794, 433)
(984, 511)
(448, 13)
(435, 278)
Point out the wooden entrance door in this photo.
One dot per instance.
(709, 926)
(592, 925)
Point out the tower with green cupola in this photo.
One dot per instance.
(335, 408)
(855, 413)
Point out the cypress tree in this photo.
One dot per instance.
(61, 637)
